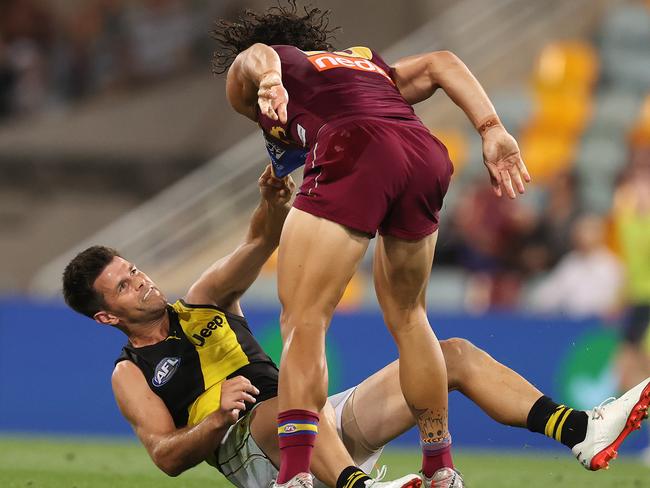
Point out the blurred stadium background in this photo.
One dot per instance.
(114, 131)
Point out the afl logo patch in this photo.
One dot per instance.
(165, 370)
(290, 428)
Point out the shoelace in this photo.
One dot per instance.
(598, 411)
(303, 483)
(380, 475)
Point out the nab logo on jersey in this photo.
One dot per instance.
(165, 370)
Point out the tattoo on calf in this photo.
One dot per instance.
(432, 425)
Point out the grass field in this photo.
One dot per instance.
(64, 463)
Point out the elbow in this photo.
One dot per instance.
(441, 61)
(258, 46)
(170, 469)
(172, 473)
(167, 464)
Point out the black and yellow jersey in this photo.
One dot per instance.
(205, 346)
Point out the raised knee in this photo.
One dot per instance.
(460, 357)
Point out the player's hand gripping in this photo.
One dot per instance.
(274, 190)
(234, 392)
(272, 97)
(503, 160)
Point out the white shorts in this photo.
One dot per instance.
(244, 464)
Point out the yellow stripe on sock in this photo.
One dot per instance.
(353, 479)
(558, 432)
(297, 427)
(550, 425)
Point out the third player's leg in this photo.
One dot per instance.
(401, 273)
(317, 259)
(499, 391)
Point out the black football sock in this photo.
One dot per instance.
(352, 477)
(558, 422)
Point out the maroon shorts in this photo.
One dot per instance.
(376, 174)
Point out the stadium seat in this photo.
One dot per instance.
(546, 153)
(566, 66)
(565, 112)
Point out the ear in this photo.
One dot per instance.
(106, 318)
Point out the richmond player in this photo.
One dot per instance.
(195, 384)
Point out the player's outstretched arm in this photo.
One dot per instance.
(418, 77)
(255, 78)
(226, 280)
(175, 450)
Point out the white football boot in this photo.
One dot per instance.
(444, 478)
(408, 481)
(301, 480)
(609, 424)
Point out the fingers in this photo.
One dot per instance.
(279, 190)
(266, 108)
(268, 171)
(516, 170)
(506, 184)
(233, 415)
(243, 384)
(515, 176)
(495, 179)
(235, 392)
(523, 170)
(282, 112)
(272, 101)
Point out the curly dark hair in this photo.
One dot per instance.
(277, 25)
(80, 275)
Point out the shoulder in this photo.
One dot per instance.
(125, 373)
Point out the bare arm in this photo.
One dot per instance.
(255, 77)
(175, 450)
(227, 279)
(418, 77)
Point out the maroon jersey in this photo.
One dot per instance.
(324, 86)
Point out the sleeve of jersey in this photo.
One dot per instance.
(288, 54)
(379, 61)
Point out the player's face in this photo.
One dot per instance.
(129, 294)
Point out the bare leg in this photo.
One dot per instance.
(330, 456)
(497, 390)
(401, 272)
(317, 259)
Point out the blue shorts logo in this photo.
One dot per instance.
(165, 370)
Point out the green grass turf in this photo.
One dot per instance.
(71, 463)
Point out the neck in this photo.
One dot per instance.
(149, 333)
